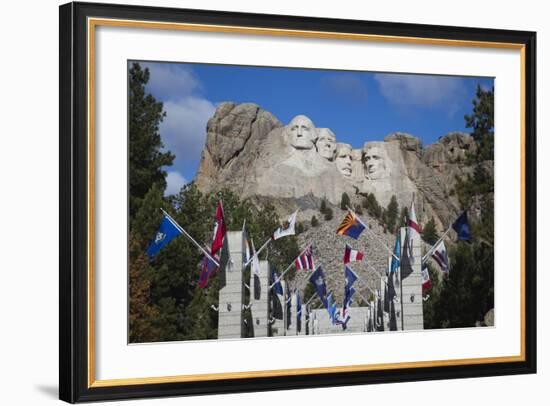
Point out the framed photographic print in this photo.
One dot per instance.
(256, 202)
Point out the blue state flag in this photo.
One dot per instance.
(331, 308)
(166, 233)
(462, 227)
(350, 278)
(277, 287)
(318, 280)
(396, 254)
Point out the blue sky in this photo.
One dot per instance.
(357, 106)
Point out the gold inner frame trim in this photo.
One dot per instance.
(94, 22)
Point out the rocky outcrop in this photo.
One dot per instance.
(251, 152)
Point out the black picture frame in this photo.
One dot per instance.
(74, 380)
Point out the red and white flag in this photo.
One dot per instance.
(412, 223)
(305, 260)
(439, 254)
(426, 281)
(351, 255)
(219, 229)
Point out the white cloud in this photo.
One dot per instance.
(183, 130)
(171, 81)
(174, 182)
(421, 90)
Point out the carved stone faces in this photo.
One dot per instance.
(326, 143)
(343, 159)
(301, 132)
(374, 160)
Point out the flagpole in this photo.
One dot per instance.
(180, 228)
(257, 252)
(374, 235)
(436, 244)
(311, 298)
(290, 266)
(367, 286)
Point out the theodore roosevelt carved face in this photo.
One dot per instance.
(301, 132)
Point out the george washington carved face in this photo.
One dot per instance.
(374, 160)
(343, 159)
(301, 132)
(326, 143)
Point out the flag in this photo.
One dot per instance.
(439, 254)
(386, 297)
(407, 259)
(298, 312)
(426, 282)
(287, 228)
(277, 287)
(318, 280)
(255, 262)
(305, 260)
(462, 227)
(276, 307)
(370, 325)
(347, 304)
(167, 231)
(289, 311)
(351, 255)
(219, 229)
(379, 314)
(247, 249)
(350, 277)
(226, 263)
(396, 253)
(257, 286)
(352, 226)
(331, 308)
(208, 268)
(393, 318)
(391, 288)
(412, 223)
(276, 295)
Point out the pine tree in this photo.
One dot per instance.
(345, 201)
(429, 233)
(467, 293)
(314, 221)
(146, 158)
(403, 216)
(482, 122)
(390, 214)
(323, 206)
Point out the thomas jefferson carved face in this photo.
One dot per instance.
(326, 143)
(343, 159)
(301, 132)
(374, 160)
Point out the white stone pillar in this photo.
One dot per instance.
(291, 328)
(231, 296)
(411, 282)
(259, 298)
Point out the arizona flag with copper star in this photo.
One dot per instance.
(352, 226)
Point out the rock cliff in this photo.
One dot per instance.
(250, 151)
